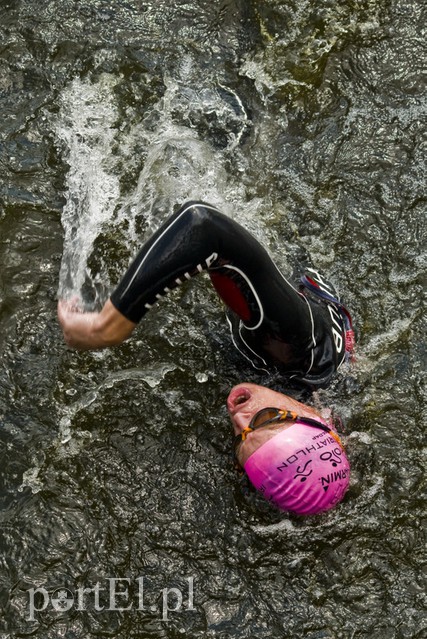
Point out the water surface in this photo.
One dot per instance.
(304, 122)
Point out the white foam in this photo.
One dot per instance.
(30, 479)
(175, 160)
(381, 342)
(70, 439)
(85, 127)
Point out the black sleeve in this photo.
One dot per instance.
(199, 238)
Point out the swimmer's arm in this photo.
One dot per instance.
(85, 331)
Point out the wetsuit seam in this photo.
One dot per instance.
(253, 289)
(245, 355)
(313, 338)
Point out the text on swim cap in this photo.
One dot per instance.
(334, 456)
(337, 475)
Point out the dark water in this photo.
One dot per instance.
(305, 122)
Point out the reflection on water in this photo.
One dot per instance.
(305, 123)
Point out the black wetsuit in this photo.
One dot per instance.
(273, 324)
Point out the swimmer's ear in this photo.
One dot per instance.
(237, 467)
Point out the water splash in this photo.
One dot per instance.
(187, 135)
(178, 146)
(86, 130)
(152, 376)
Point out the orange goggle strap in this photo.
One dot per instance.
(283, 416)
(287, 415)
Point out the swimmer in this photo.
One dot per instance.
(304, 333)
(293, 456)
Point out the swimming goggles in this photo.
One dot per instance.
(267, 416)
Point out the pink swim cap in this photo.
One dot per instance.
(301, 469)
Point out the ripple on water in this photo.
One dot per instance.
(303, 122)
